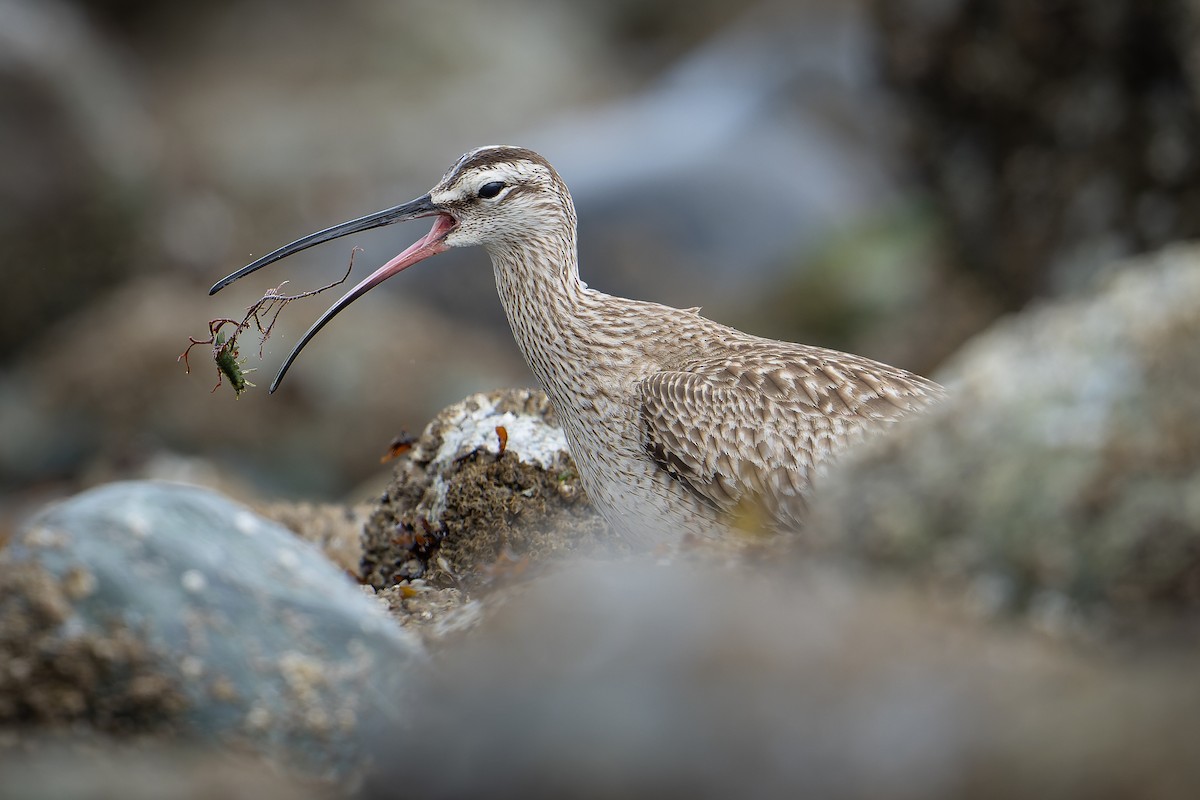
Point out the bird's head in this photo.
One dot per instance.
(500, 197)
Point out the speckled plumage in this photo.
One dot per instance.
(677, 423)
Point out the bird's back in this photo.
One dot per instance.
(713, 428)
(746, 423)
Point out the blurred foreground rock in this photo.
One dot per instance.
(708, 677)
(1063, 478)
(91, 770)
(166, 609)
(702, 679)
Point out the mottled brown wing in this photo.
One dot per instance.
(745, 434)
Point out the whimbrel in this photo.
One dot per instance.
(677, 423)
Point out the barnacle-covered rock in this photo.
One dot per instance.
(462, 506)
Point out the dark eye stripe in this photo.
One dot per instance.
(490, 189)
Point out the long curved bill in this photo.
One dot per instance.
(429, 245)
(421, 207)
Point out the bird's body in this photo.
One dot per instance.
(677, 424)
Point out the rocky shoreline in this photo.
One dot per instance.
(999, 600)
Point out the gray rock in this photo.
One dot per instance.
(241, 634)
(1063, 478)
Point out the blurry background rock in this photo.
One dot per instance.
(1061, 481)
(879, 177)
(1053, 137)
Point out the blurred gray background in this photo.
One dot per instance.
(885, 177)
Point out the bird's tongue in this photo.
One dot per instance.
(430, 244)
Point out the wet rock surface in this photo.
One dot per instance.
(154, 607)
(1062, 480)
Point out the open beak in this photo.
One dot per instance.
(431, 244)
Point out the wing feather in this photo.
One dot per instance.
(745, 432)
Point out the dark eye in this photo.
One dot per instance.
(490, 189)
